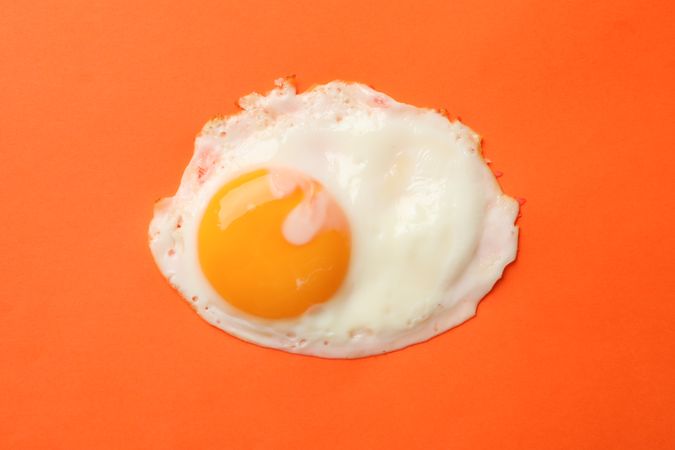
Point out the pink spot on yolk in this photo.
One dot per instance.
(316, 211)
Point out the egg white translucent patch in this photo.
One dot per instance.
(431, 229)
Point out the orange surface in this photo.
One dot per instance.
(575, 348)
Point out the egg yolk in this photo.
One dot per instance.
(274, 242)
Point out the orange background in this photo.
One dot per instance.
(575, 348)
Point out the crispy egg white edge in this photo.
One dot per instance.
(497, 247)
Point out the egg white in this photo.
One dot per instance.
(431, 229)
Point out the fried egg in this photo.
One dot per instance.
(336, 222)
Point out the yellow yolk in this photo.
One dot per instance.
(248, 253)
